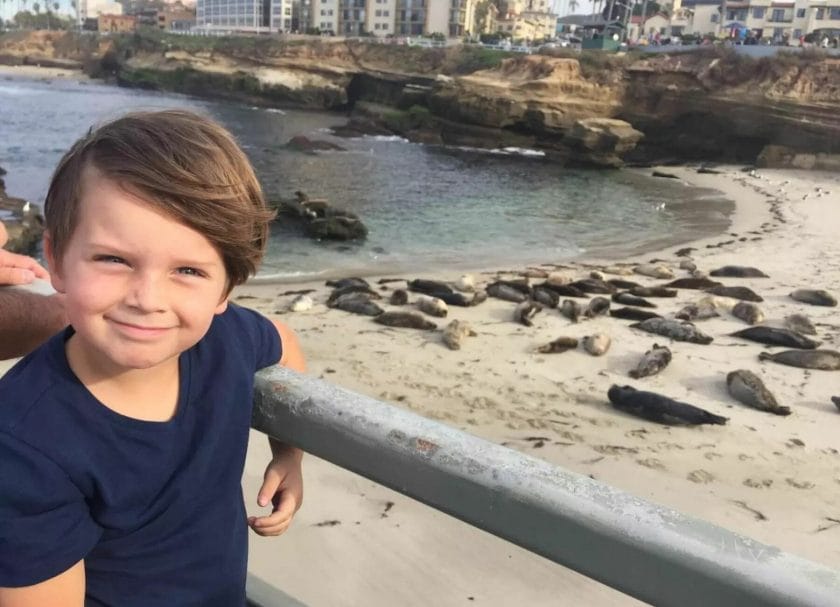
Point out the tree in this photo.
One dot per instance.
(573, 5)
(36, 7)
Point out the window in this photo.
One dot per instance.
(323, 12)
(378, 13)
(820, 14)
(834, 13)
(287, 11)
(387, 13)
(758, 13)
(778, 15)
(800, 13)
(330, 12)
(715, 17)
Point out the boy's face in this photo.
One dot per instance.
(140, 288)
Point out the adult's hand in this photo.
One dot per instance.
(19, 269)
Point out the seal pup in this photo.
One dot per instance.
(823, 360)
(748, 312)
(743, 293)
(747, 387)
(505, 292)
(571, 310)
(688, 265)
(815, 297)
(800, 323)
(360, 289)
(628, 299)
(597, 344)
(619, 283)
(633, 314)
(678, 331)
(525, 311)
(597, 307)
(701, 310)
(301, 303)
(561, 344)
(593, 285)
(777, 337)
(465, 284)
(657, 408)
(432, 306)
(595, 274)
(617, 270)
(546, 297)
(653, 292)
(399, 297)
(654, 270)
(836, 401)
(692, 283)
(557, 279)
(406, 320)
(653, 361)
(346, 282)
(738, 272)
(356, 303)
(455, 332)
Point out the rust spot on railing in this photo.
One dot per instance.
(426, 446)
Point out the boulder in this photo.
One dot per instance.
(301, 143)
(320, 220)
(781, 157)
(601, 141)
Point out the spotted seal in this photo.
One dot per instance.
(653, 292)
(432, 306)
(815, 297)
(658, 408)
(628, 299)
(747, 387)
(824, 360)
(356, 303)
(525, 311)
(399, 297)
(561, 344)
(455, 332)
(777, 337)
(571, 310)
(676, 330)
(597, 307)
(653, 361)
(801, 324)
(836, 401)
(593, 285)
(738, 272)
(654, 270)
(748, 312)
(597, 344)
(692, 283)
(405, 320)
(633, 314)
(506, 292)
(743, 293)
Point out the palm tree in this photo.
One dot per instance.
(573, 5)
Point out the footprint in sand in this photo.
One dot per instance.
(614, 449)
(758, 483)
(700, 476)
(800, 484)
(651, 462)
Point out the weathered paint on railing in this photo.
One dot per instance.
(653, 553)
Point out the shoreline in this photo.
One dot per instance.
(41, 73)
(769, 477)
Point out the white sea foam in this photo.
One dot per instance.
(274, 110)
(395, 138)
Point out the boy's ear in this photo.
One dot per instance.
(222, 304)
(53, 265)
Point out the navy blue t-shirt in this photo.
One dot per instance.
(154, 508)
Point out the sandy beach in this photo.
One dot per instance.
(774, 478)
(41, 73)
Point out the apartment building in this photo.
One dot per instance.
(766, 18)
(526, 19)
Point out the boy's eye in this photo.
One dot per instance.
(187, 271)
(109, 259)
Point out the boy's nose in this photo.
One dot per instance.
(147, 293)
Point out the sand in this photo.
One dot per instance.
(770, 477)
(41, 73)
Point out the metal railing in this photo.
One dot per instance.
(653, 553)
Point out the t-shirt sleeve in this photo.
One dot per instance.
(45, 524)
(264, 340)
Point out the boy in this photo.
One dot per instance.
(123, 438)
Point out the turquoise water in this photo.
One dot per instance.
(426, 207)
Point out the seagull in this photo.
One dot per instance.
(27, 206)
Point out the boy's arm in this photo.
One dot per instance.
(283, 481)
(27, 320)
(67, 589)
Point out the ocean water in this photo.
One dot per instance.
(426, 207)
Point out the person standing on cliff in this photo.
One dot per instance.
(123, 437)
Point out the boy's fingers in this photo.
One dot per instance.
(271, 483)
(11, 261)
(15, 276)
(269, 525)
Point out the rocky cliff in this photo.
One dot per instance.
(706, 105)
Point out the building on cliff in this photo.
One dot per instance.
(252, 16)
(91, 9)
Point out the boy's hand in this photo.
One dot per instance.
(19, 269)
(283, 488)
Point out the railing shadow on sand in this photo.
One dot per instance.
(647, 551)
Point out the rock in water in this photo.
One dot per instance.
(801, 324)
(654, 271)
(571, 310)
(748, 312)
(525, 311)
(654, 360)
(301, 303)
(743, 293)
(455, 332)
(597, 307)
(633, 314)
(432, 306)
(738, 272)
(357, 303)
(561, 344)
(777, 337)
(597, 344)
(658, 408)
(747, 387)
(399, 297)
(405, 320)
(815, 297)
(678, 331)
(824, 360)
(629, 299)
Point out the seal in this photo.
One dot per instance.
(301, 303)
(594, 285)
(748, 312)
(597, 344)
(405, 320)
(653, 292)
(399, 297)
(738, 272)
(352, 288)
(571, 310)
(620, 283)
(743, 293)
(546, 297)
(815, 297)
(459, 299)
(346, 282)
(557, 279)
(432, 306)
(617, 270)
(747, 387)
(525, 311)
(597, 307)
(465, 284)
(561, 344)
(678, 331)
(701, 310)
(564, 290)
(777, 337)
(657, 408)
(692, 283)
(800, 323)
(824, 360)
(654, 360)
(687, 264)
(633, 314)
(357, 303)
(502, 291)
(836, 401)
(628, 299)
(428, 287)
(654, 270)
(455, 332)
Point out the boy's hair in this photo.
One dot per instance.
(180, 163)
